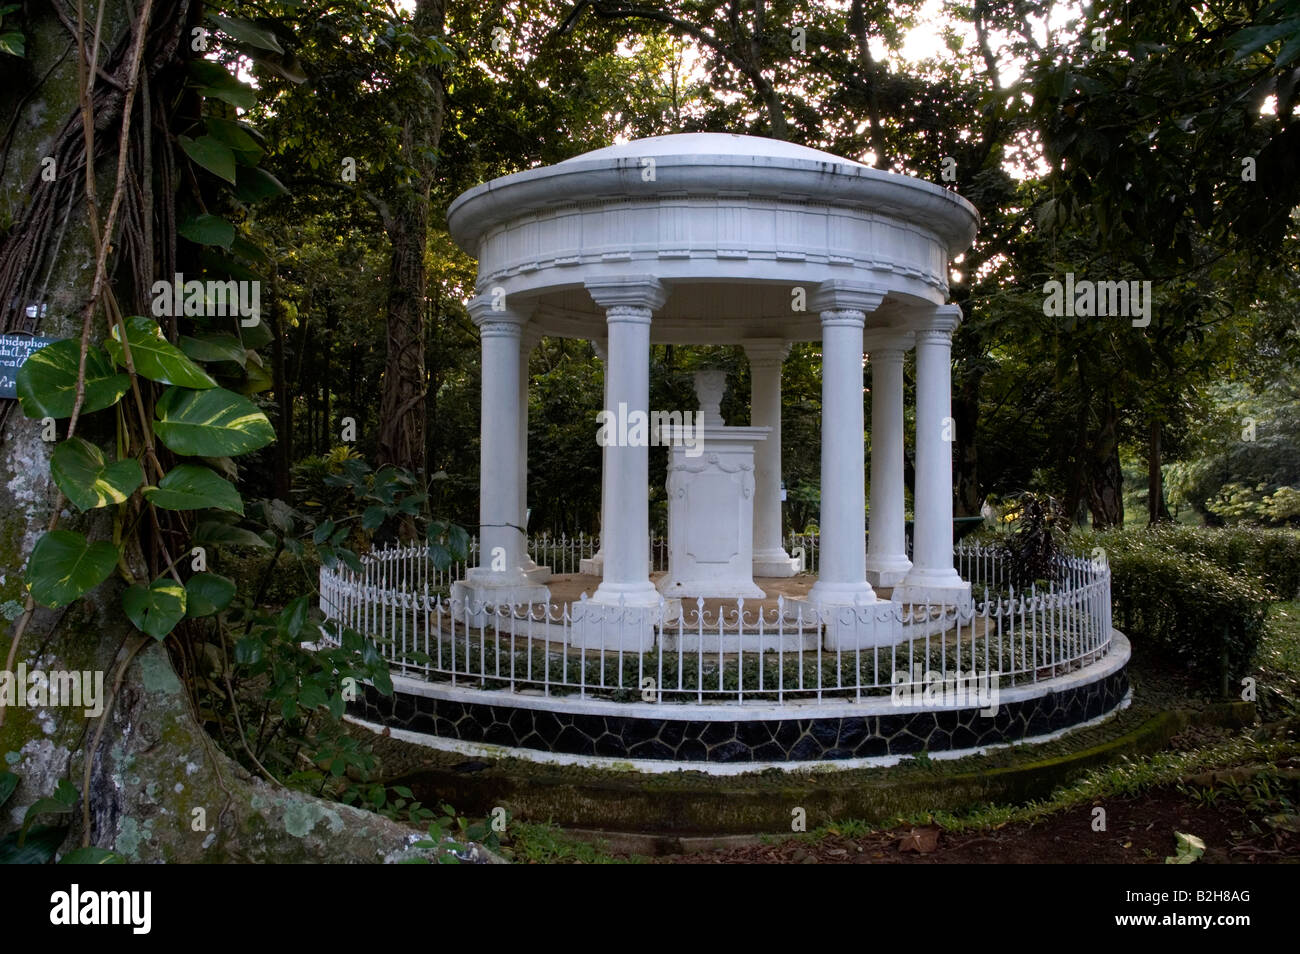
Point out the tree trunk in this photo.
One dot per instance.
(283, 449)
(158, 788)
(1106, 478)
(1157, 512)
(401, 406)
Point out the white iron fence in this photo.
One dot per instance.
(564, 554)
(734, 652)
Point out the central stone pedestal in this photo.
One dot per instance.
(711, 514)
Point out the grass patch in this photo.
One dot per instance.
(541, 844)
(1279, 662)
(1126, 778)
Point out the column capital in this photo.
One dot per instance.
(627, 291)
(846, 317)
(944, 319)
(496, 309)
(842, 295)
(766, 352)
(887, 342)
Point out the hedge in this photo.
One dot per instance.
(1200, 596)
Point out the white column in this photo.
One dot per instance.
(499, 577)
(527, 342)
(887, 561)
(842, 574)
(932, 576)
(629, 304)
(765, 360)
(595, 564)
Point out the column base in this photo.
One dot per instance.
(887, 571)
(854, 617)
(535, 573)
(853, 626)
(592, 565)
(623, 626)
(775, 563)
(721, 589)
(824, 593)
(935, 587)
(484, 593)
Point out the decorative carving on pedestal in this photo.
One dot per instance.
(711, 504)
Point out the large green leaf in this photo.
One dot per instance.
(236, 136)
(8, 782)
(156, 609)
(211, 423)
(47, 381)
(207, 593)
(154, 356)
(216, 533)
(253, 184)
(90, 481)
(13, 43)
(217, 347)
(216, 81)
(61, 802)
(207, 229)
(247, 32)
(212, 154)
(38, 848)
(191, 487)
(65, 565)
(91, 855)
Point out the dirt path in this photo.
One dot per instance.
(1139, 831)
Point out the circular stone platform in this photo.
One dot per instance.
(596, 732)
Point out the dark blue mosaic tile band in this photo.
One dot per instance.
(773, 740)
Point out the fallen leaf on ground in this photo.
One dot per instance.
(921, 840)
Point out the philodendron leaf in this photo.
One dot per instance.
(212, 154)
(47, 381)
(92, 856)
(61, 802)
(65, 565)
(214, 532)
(191, 487)
(207, 593)
(211, 423)
(253, 183)
(208, 229)
(215, 81)
(247, 32)
(154, 356)
(88, 480)
(39, 845)
(216, 347)
(156, 609)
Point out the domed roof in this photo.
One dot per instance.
(710, 164)
(712, 144)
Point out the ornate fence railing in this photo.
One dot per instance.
(564, 554)
(737, 652)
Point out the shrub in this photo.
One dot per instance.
(1167, 594)
(1035, 543)
(1269, 556)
